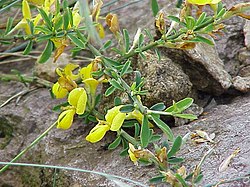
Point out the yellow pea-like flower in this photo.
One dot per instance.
(131, 154)
(86, 72)
(36, 2)
(78, 99)
(117, 121)
(65, 119)
(203, 2)
(59, 91)
(97, 133)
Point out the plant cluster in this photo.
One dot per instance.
(81, 28)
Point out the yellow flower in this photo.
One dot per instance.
(98, 132)
(66, 80)
(203, 2)
(77, 100)
(112, 22)
(85, 72)
(65, 119)
(36, 2)
(114, 120)
(23, 24)
(59, 91)
(131, 154)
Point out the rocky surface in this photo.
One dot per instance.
(68, 148)
(178, 75)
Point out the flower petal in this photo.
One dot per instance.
(112, 113)
(97, 133)
(65, 119)
(118, 121)
(78, 99)
(26, 10)
(91, 85)
(59, 91)
(86, 72)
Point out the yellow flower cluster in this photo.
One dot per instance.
(203, 2)
(77, 97)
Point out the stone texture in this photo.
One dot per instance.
(33, 115)
(242, 83)
(167, 77)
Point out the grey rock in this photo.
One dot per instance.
(165, 80)
(242, 83)
(246, 30)
(33, 115)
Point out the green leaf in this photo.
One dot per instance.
(181, 180)
(190, 22)
(198, 179)
(125, 67)
(70, 15)
(65, 4)
(115, 143)
(137, 129)
(155, 7)
(46, 52)
(31, 26)
(175, 160)
(28, 47)
(92, 118)
(44, 37)
(163, 126)
(129, 124)
(157, 179)
(176, 146)
(137, 78)
(221, 13)
(204, 40)
(201, 18)
(127, 108)
(116, 84)
(158, 53)
(76, 41)
(158, 107)
(126, 40)
(181, 105)
(149, 35)
(45, 18)
(145, 132)
(141, 40)
(9, 25)
(57, 7)
(98, 99)
(155, 138)
(174, 18)
(186, 116)
(65, 20)
(58, 107)
(111, 62)
(106, 45)
(109, 91)
(117, 101)
(43, 29)
(58, 23)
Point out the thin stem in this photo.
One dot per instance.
(128, 137)
(38, 139)
(134, 52)
(8, 6)
(108, 176)
(25, 78)
(159, 112)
